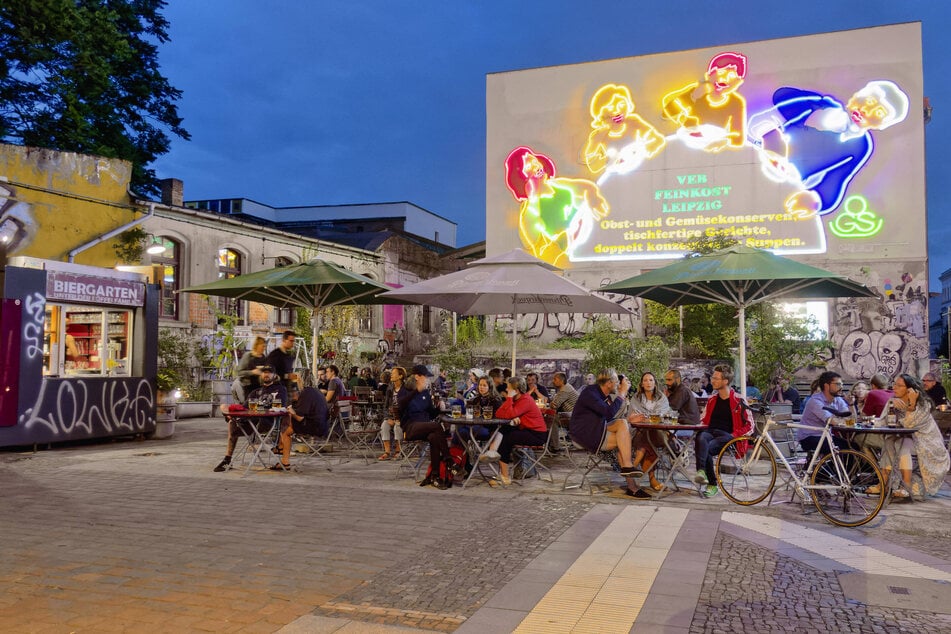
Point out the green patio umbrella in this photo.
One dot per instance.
(314, 284)
(738, 276)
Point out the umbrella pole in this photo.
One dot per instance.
(315, 320)
(514, 339)
(742, 348)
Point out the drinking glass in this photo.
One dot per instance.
(487, 412)
(457, 411)
(253, 405)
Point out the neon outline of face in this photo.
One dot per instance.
(727, 71)
(610, 105)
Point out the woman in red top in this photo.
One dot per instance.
(529, 424)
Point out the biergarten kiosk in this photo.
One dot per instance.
(77, 352)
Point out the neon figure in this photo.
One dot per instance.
(711, 114)
(620, 139)
(814, 142)
(557, 214)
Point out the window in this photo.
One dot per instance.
(365, 318)
(427, 319)
(229, 266)
(284, 316)
(170, 261)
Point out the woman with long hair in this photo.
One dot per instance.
(649, 401)
(391, 422)
(914, 410)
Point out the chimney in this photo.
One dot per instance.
(172, 192)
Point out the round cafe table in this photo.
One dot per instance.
(474, 447)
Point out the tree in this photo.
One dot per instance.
(83, 76)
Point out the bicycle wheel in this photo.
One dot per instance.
(749, 478)
(845, 501)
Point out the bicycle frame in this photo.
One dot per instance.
(824, 438)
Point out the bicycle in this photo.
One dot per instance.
(839, 481)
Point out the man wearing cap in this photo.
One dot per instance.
(308, 415)
(417, 411)
(270, 393)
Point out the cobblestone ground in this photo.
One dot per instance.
(751, 589)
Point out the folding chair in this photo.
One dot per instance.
(530, 456)
(413, 454)
(591, 462)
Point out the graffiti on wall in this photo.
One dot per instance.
(550, 326)
(34, 308)
(887, 336)
(87, 408)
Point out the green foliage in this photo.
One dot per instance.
(337, 325)
(83, 76)
(221, 350)
(175, 352)
(607, 348)
(708, 244)
(651, 354)
(778, 344)
(457, 358)
(304, 330)
(130, 245)
(709, 329)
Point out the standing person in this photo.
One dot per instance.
(725, 418)
(877, 397)
(248, 371)
(281, 359)
(417, 411)
(648, 401)
(536, 391)
(391, 424)
(817, 411)
(520, 408)
(934, 389)
(595, 415)
(914, 408)
(308, 415)
(271, 390)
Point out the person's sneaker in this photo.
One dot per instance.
(490, 456)
(700, 477)
(710, 491)
(640, 494)
(631, 471)
(223, 465)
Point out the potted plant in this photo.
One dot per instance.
(166, 405)
(223, 352)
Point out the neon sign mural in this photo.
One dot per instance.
(620, 140)
(817, 144)
(711, 114)
(556, 213)
(808, 143)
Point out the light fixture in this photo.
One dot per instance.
(155, 246)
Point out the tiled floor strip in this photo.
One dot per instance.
(605, 588)
(848, 552)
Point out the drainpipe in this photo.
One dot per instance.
(114, 232)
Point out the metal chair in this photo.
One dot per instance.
(591, 462)
(530, 456)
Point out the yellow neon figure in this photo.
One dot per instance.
(556, 214)
(620, 140)
(711, 114)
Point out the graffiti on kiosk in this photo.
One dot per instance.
(35, 309)
(887, 336)
(83, 409)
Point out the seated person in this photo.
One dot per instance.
(308, 416)
(270, 392)
(391, 424)
(595, 415)
(877, 397)
(485, 397)
(914, 409)
(417, 411)
(647, 402)
(529, 428)
(535, 390)
(724, 419)
(819, 409)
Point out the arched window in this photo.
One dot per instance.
(170, 261)
(284, 316)
(229, 265)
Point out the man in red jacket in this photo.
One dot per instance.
(725, 418)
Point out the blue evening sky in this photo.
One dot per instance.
(358, 101)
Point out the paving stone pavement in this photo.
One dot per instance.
(141, 536)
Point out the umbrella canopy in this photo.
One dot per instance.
(738, 276)
(314, 284)
(511, 283)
